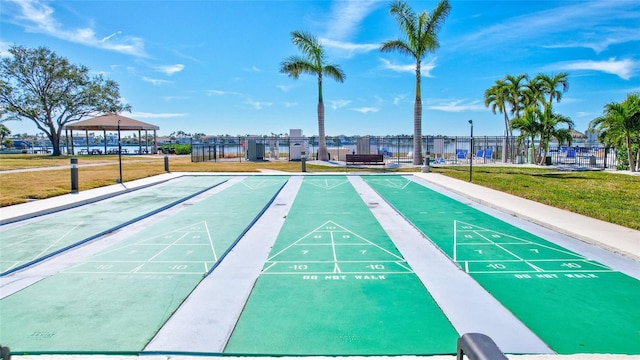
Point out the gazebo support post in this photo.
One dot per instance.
(146, 141)
(73, 148)
(86, 139)
(66, 136)
(104, 140)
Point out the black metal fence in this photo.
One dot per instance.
(442, 150)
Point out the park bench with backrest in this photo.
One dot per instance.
(366, 159)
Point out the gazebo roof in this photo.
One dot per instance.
(110, 122)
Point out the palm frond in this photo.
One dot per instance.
(404, 16)
(434, 23)
(335, 72)
(308, 45)
(295, 65)
(397, 45)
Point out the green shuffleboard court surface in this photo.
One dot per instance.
(119, 298)
(335, 284)
(574, 304)
(21, 244)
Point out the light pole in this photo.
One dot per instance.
(119, 153)
(471, 154)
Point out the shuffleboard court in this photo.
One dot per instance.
(335, 284)
(117, 300)
(29, 241)
(574, 304)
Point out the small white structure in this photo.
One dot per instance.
(297, 144)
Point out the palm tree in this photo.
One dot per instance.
(515, 85)
(496, 98)
(549, 129)
(313, 63)
(421, 37)
(550, 85)
(529, 126)
(620, 125)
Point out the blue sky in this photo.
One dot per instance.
(213, 66)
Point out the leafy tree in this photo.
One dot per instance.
(38, 85)
(312, 63)
(4, 132)
(620, 126)
(421, 37)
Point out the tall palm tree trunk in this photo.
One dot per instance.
(507, 129)
(417, 120)
(417, 132)
(632, 166)
(322, 142)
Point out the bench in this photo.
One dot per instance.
(367, 159)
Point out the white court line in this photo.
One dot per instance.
(213, 249)
(364, 273)
(55, 242)
(525, 241)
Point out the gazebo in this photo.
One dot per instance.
(112, 122)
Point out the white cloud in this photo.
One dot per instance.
(399, 98)
(365, 110)
(252, 69)
(172, 98)
(285, 88)
(346, 17)
(335, 104)
(290, 104)
(592, 24)
(147, 115)
(584, 114)
(347, 49)
(222, 92)
(625, 68)
(155, 82)
(110, 36)
(37, 17)
(4, 48)
(457, 106)
(169, 69)
(425, 68)
(605, 38)
(258, 105)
